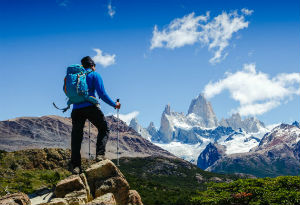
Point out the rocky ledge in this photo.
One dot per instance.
(100, 184)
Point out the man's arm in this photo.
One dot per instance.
(99, 86)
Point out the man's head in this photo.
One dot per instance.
(87, 62)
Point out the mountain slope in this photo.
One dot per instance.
(55, 131)
(159, 180)
(277, 154)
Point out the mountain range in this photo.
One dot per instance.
(218, 145)
(232, 145)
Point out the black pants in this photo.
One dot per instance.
(96, 117)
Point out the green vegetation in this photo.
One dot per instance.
(158, 180)
(26, 171)
(165, 181)
(28, 181)
(281, 190)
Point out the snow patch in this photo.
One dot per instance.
(189, 152)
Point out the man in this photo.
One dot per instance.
(86, 110)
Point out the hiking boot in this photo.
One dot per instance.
(76, 170)
(100, 158)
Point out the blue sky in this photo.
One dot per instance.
(39, 39)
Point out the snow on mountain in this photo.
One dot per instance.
(242, 141)
(186, 136)
(278, 153)
(282, 134)
(250, 124)
(189, 152)
(139, 129)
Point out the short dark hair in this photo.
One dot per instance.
(87, 62)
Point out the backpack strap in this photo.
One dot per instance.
(63, 109)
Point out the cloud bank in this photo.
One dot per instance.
(128, 117)
(191, 29)
(256, 92)
(104, 59)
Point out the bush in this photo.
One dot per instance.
(280, 190)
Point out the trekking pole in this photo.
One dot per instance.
(118, 135)
(89, 142)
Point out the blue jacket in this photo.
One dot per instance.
(95, 83)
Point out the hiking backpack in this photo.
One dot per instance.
(75, 86)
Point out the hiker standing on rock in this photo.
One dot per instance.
(91, 111)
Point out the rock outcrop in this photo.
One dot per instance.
(139, 129)
(210, 155)
(153, 132)
(202, 108)
(250, 124)
(102, 183)
(15, 199)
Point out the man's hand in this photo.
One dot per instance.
(118, 105)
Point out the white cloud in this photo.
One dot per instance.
(193, 29)
(128, 117)
(104, 59)
(180, 32)
(111, 11)
(247, 11)
(256, 92)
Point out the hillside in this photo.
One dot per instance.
(159, 180)
(167, 181)
(277, 154)
(55, 131)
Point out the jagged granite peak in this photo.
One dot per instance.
(167, 109)
(250, 124)
(151, 126)
(166, 127)
(153, 132)
(139, 129)
(296, 124)
(201, 107)
(210, 155)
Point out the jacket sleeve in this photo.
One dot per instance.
(99, 86)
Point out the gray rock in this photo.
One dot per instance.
(250, 124)
(15, 199)
(116, 185)
(106, 199)
(139, 129)
(210, 155)
(134, 198)
(68, 185)
(201, 107)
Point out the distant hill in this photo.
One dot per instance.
(55, 131)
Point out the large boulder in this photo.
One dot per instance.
(15, 199)
(56, 201)
(101, 171)
(134, 198)
(116, 185)
(68, 185)
(77, 197)
(101, 184)
(106, 199)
